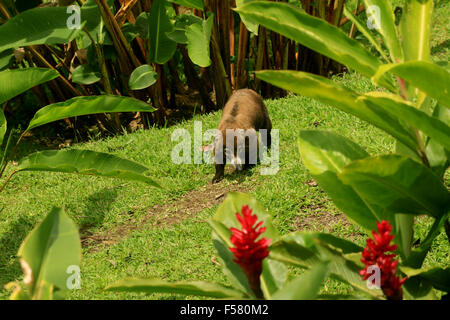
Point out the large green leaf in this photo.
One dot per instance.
(304, 287)
(425, 76)
(415, 29)
(142, 77)
(438, 156)
(85, 162)
(161, 46)
(306, 250)
(387, 27)
(79, 106)
(197, 4)
(197, 288)
(273, 277)
(309, 240)
(325, 154)
(397, 184)
(329, 92)
(14, 82)
(37, 26)
(437, 276)
(416, 289)
(311, 32)
(403, 233)
(198, 38)
(49, 250)
(85, 74)
(249, 23)
(232, 270)
(397, 107)
(182, 22)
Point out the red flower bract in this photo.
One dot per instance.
(375, 255)
(249, 253)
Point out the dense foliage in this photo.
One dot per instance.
(177, 55)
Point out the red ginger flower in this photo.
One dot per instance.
(374, 255)
(249, 253)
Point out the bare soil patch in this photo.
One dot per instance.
(160, 215)
(318, 217)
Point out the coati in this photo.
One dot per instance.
(243, 115)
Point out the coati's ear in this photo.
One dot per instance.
(208, 148)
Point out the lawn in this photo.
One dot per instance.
(135, 230)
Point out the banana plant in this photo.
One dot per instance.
(412, 106)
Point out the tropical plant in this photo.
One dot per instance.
(50, 259)
(243, 254)
(170, 53)
(412, 107)
(120, 56)
(70, 160)
(254, 256)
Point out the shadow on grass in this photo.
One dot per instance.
(240, 176)
(97, 205)
(9, 245)
(440, 48)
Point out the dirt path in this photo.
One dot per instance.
(169, 213)
(195, 201)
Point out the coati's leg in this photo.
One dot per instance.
(267, 142)
(247, 164)
(269, 135)
(220, 171)
(269, 139)
(251, 155)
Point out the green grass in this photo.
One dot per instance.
(183, 250)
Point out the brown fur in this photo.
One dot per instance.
(244, 110)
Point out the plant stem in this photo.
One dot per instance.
(421, 150)
(403, 90)
(353, 27)
(116, 31)
(4, 12)
(124, 62)
(7, 180)
(243, 41)
(66, 82)
(102, 62)
(6, 160)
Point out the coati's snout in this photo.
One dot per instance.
(236, 141)
(236, 147)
